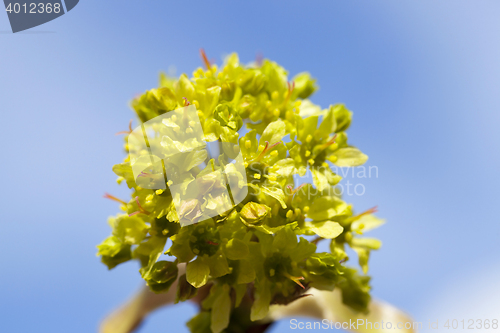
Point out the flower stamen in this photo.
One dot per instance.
(206, 62)
(296, 279)
(266, 149)
(112, 197)
(141, 209)
(129, 129)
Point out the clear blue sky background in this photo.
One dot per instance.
(423, 80)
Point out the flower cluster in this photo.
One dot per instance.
(263, 250)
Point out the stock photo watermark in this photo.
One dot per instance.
(364, 324)
(25, 15)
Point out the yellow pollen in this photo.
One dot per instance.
(197, 104)
(276, 112)
(311, 161)
(298, 103)
(275, 94)
(256, 176)
(306, 209)
(298, 211)
(274, 153)
(149, 197)
(309, 138)
(325, 165)
(261, 147)
(158, 192)
(334, 146)
(272, 178)
(289, 214)
(333, 158)
(248, 144)
(169, 183)
(192, 123)
(268, 104)
(308, 153)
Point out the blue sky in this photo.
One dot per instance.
(423, 80)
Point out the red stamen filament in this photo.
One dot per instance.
(112, 197)
(291, 87)
(141, 209)
(258, 59)
(327, 144)
(206, 62)
(296, 279)
(266, 149)
(129, 129)
(292, 191)
(369, 211)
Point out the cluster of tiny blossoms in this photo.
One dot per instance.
(263, 251)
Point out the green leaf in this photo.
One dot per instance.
(129, 229)
(273, 133)
(355, 290)
(348, 157)
(246, 272)
(124, 170)
(323, 177)
(366, 223)
(284, 168)
(285, 239)
(260, 306)
(221, 311)
(325, 208)
(200, 323)
(326, 229)
(197, 273)
(236, 249)
(343, 117)
(218, 265)
(240, 291)
(328, 124)
(303, 250)
(162, 275)
(369, 243)
(275, 192)
(110, 246)
(363, 256)
(113, 252)
(308, 109)
(305, 85)
(185, 290)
